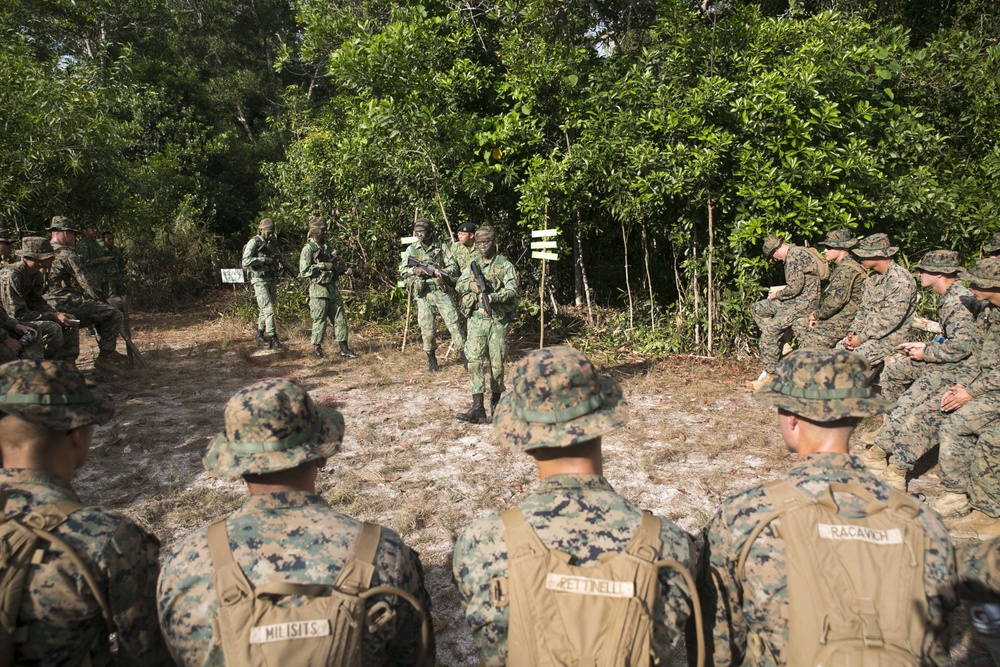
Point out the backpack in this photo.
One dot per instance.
(19, 551)
(822, 265)
(562, 615)
(855, 585)
(256, 630)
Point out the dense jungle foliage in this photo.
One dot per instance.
(663, 138)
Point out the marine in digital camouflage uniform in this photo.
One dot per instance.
(577, 513)
(276, 436)
(464, 249)
(21, 294)
(992, 249)
(69, 289)
(60, 621)
(487, 334)
(92, 255)
(258, 259)
(751, 615)
(321, 269)
(7, 242)
(432, 292)
(830, 322)
(888, 302)
(776, 314)
(115, 270)
(956, 313)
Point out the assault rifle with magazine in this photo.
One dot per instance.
(279, 262)
(430, 268)
(484, 288)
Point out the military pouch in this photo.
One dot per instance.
(822, 270)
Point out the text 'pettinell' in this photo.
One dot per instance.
(861, 534)
(566, 583)
(279, 632)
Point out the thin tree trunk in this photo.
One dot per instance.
(628, 283)
(437, 195)
(696, 289)
(711, 274)
(649, 280)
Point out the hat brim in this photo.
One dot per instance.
(982, 281)
(821, 410)
(221, 461)
(990, 249)
(75, 230)
(67, 418)
(526, 436)
(838, 245)
(36, 255)
(928, 268)
(876, 253)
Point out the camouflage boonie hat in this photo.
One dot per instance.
(36, 247)
(468, 227)
(61, 223)
(771, 243)
(993, 246)
(939, 261)
(272, 425)
(7, 237)
(824, 385)
(51, 394)
(874, 246)
(558, 400)
(839, 239)
(316, 222)
(485, 234)
(985, 273)
(266, 223)
(421, 224)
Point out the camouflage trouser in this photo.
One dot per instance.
(774, 318)
(57, 343)
(958, 436)
(266, 298)
(912, 427)
(984, 478)
(875, 351)
(826, 333)
(107, 320)
(32, 351)
(332, 309)
(899, 374)
(486, 336)
(445, 306)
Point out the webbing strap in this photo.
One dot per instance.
(645, 543)
(358, 571)
(218, 544)
(519, 535)
(368, 540)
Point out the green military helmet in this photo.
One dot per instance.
(993, 246)
(771, 243)
(557, 400)
(874, 247)
(985, 273)
(939, 261)
(272, 425)
(839, 239)
(824, 386)
(61, 223)
(36, 247)
(51, 394)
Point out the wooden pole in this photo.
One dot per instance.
(541, 307)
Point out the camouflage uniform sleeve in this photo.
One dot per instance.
(721, 596)
(404, 649)
(959, 327)
(450, 262)
(979, 570)
(132, 564)
(307, 267)
(940, 585)
(506, 293)
(90, 254)
(79, 272)
(838, 292)
(891, 304)
(480, 555)
(14, 303)
(251, 259)
(675, 598)
(797, 262)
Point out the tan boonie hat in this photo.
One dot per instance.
(771, 243)
(993, 246)
(939, 261)
(61, 223)
(51, 394)
(985, 273)
(558, 400)
(316, 222)
(824, 385)
(839, 239)
(266, 223)
(272, 425)
(874, 246)
(36, 247)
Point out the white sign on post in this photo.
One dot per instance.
(536, 233)
(538, 249)
(544, 255)
(539, 245)
(233, 276)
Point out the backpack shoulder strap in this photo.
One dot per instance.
(783, 496)
(520, 536)
(359, 569)
(645, 544)
(231, 585)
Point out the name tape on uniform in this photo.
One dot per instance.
(544, 255)
(536, 233)
(860, 534)
(539, 245)
(233, 276)
(567, 583)
(280, 632)
(408, 240)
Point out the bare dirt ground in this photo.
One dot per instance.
(694, 438)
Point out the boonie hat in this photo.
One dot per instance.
(876, 245)
(61, 223)
(771, 243)
(272, 425)
(36, 247)
(469, 227)
(839, 239)
(939, 261)
(316, 222)
(485, 234)
(421, 224)
(824, 385)
(558, 400)
(51, 394)
(266, 223)
(993, 246)
(985, 273)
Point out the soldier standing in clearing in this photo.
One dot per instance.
(93, 257)
(557, 411)
(487, 333)
(831, 321)
(325, 303)
(821, 395)
(433, 292)
(115, 270)
(776, 314)
(258, 259)
(47, 418)
(284, 539)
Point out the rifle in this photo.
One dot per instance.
(279, 263)
(484, 288)
(413, 262)
(338, 267)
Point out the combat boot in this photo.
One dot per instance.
(346, 351)
(761, 382)
(260, 338)
(895, 477)
(105, 363)
(976, 523)
(875, 458)
(275, 344)
(951, 504)
(476, 414)
(432, 362)
(318, 351)
(494, 402)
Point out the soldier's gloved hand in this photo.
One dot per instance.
(474, 286)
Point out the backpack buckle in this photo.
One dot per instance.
(870, 630)
(498, 592)
(379, 614)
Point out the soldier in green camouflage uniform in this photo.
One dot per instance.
(487, 333)
(7, 242)
(278, 441)
(751, 618)
(258, 259)
(887, 305)
(93, 258)
(776, 314)
(115, 270)
(325, 303)
(69, 289)
(21, 295)
(557, 411)
(433, 292)
(464, 249)
(956, 313)
(47, 418)
(830, 322)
